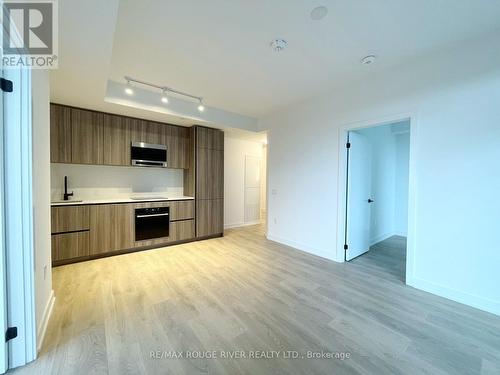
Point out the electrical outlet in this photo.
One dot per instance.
(275, 221)
(274, 192)
(45, 272)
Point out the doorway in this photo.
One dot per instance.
(376, 200)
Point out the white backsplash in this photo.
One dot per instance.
(101, 182)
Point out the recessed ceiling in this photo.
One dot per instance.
(219, 49)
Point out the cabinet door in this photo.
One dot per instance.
(86, 137)
(60, 134)
(209, 174)
(181, 230)
(177, 140)
(209, 217)
(116, 140)
(70, 245)
(69, 219)
(146, 131)
(209, 138)
(111, 228)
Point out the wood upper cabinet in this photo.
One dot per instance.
(60, 134)
(82, 136)
(146, 131)
(87, 143)
(176, 139)
(209, 138)
(116, 140)
(111, 228)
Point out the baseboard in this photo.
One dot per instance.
(242, 224)
(40, 335)
(330, 255)
(381, 238)
(477, 302)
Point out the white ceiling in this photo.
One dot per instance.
(219, 49)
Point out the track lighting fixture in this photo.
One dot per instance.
(164, 97)
(128, 89)
(164, 91)
(201, 107)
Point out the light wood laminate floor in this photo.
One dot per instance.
(244, 293)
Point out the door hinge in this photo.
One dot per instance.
(11, 333)
(346, 247)
(6, 85)
(348, 145)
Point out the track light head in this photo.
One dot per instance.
(164, 97)
(128, 89)
(201, 107)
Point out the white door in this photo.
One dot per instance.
(3, 294)
(358, 196)
(252, 189)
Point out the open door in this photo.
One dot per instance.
(357, 235)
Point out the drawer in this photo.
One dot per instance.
(70, 245)
(181, 230)
(182, 210)
(70, 219)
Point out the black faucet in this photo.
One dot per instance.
(66, 194)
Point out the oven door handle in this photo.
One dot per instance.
(152, 215)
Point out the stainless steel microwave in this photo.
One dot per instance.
(148, 155)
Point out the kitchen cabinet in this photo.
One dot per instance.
(117, 137)
(209, 181)
(87, 143)
(66, 246)
(176, 139)
(69, 219)
(111, 228)
(83, 136)
(60, 134)
(209, 174)
(209, 217)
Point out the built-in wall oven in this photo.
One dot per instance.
(151, 223)
(148, 155)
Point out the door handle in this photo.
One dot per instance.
(370, 200)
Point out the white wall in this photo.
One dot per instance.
(454, 97)
(402, 184)
(383, 174)
(235, 150)
(390, 167)
(93, 181)
(41, 201)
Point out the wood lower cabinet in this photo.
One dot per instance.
(69, 219)
(66, 246)
(209, 217)
(111, 228)
(182, 230)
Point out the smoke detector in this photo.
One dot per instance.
(278, 45)
(319, 13)
(368, 60)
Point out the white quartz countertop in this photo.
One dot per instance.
(158, 198)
